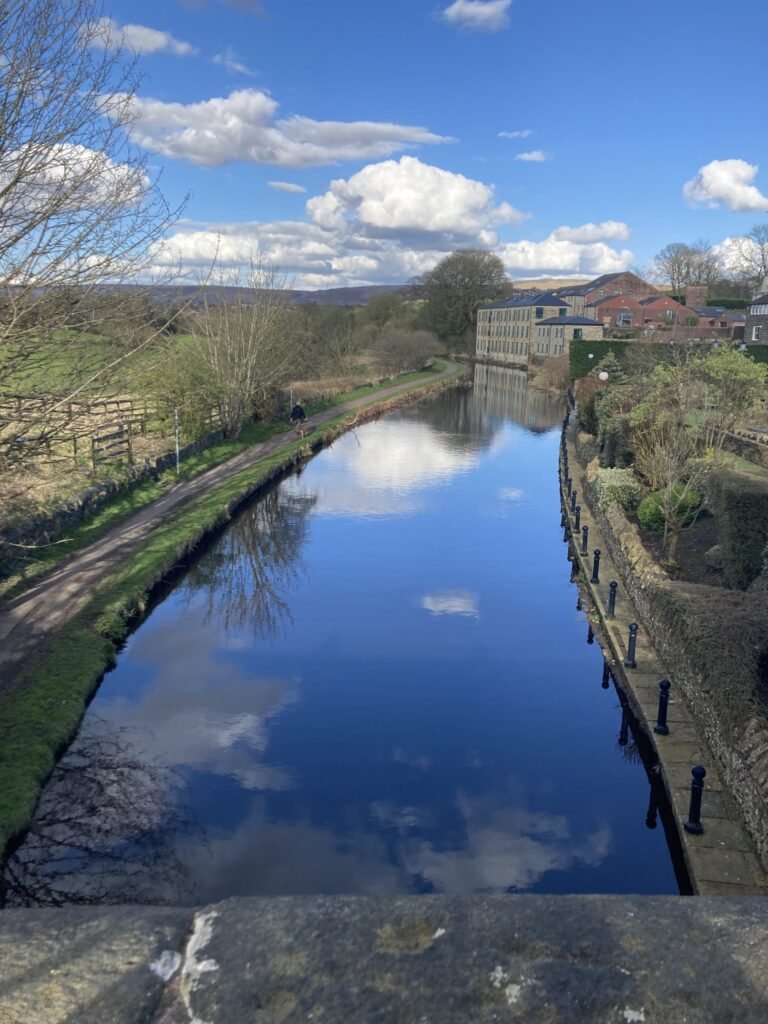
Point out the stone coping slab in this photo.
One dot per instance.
(391, 960)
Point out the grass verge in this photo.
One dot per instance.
(41, 714)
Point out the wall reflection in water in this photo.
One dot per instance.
(373, 681)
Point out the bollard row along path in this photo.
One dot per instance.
(719, 852)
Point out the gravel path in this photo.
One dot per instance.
(27, 622)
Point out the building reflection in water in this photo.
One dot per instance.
(504, 393)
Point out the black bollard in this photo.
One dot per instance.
(610, 613)
(562, 519)
(568, 484)
(590, 635)
(630, 660)
(566, 531)
(578, 602)
(584, 539)
(661, 726)
(596, 567)
(577, 519)
(693, 824)
(606, 676)
(573, 501)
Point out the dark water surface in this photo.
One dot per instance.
(374, 681)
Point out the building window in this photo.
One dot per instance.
(755, 334)
(562, 312)
(577, 334)
(539, 312)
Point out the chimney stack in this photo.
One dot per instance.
(696, 295)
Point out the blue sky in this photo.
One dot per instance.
(643, 125)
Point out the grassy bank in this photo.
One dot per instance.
(42, 713)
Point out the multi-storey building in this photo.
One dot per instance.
(554, 336)
(506, 330)
(756, 329)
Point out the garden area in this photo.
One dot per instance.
(661, 447)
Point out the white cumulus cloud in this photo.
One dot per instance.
(286, 186)
(534, 156)
(726, 183)
(107, 34)
(408, 195)
(556, 255)
(593, 232)
(482, 15)
(521, 133)
(242, 126)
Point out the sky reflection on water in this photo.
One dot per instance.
(376, 681)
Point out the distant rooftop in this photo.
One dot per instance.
(576, 321)
(540, 299)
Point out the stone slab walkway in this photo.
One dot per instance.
(721, 861)
(28, 621)
(391, 960)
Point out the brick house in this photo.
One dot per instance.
(618, 310)
(506, 330)
(662, 311)
(731, 320)
(554, 335)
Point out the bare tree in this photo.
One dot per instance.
(751, 254)
(246, 349)
(681, 265)
(396, 350)
(79, 209)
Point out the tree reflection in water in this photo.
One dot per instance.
(246, 576)
(105, 829)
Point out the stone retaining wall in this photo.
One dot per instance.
(661, 603)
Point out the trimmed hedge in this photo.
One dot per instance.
(758, 352)
(581, 364)
(740, 503)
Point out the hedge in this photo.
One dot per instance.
(581, 364)
(740, 503)
(758, 352)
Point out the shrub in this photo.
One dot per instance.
(617, 487)
(650, 512)
(615, 438)
(740, 503)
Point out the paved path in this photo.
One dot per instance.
(721, 861)
(28, 621)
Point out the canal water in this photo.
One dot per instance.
(375, 680)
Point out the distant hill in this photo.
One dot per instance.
(545, 284)
(170, 295)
